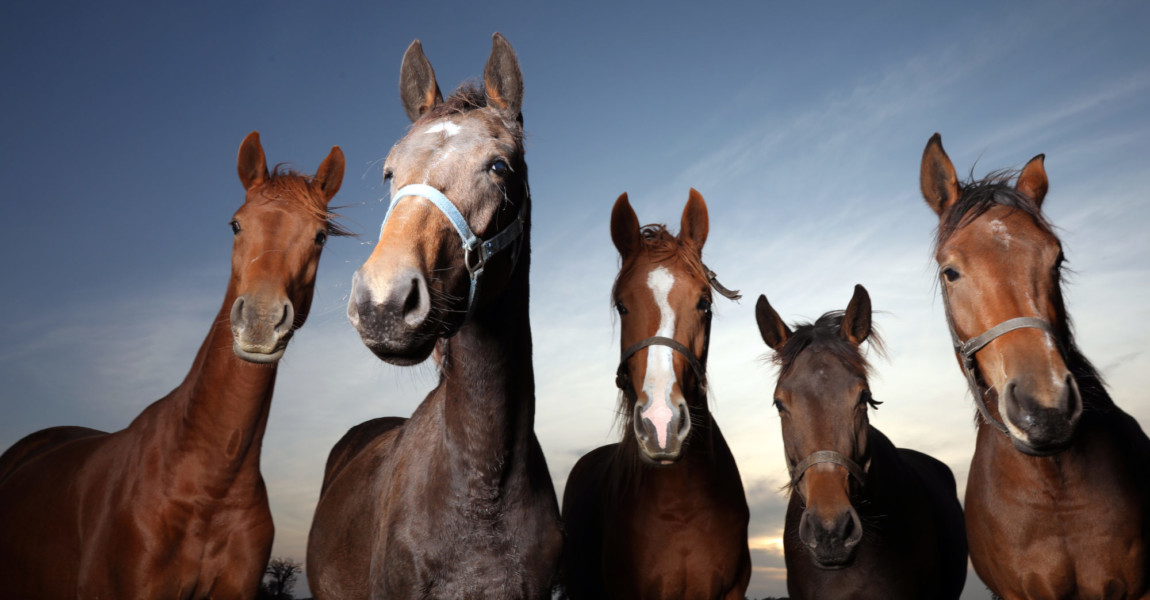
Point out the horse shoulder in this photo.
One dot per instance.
(353, 442)
(582, 519)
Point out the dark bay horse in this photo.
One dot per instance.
(865, 519)
(173, 506)
(661, 514)
(455, 502)
(1058, 498)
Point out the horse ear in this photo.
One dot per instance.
(329, 176)
(251, 163)
(694, 224)
(774, 331)
(1032, 181)
(417, 86)
(502, 81)
(937, 178)
(856, 320)
(624, 227)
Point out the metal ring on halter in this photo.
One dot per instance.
(827, 456)
(472, 244)
(966, 351)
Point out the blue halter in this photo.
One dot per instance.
(473, 248)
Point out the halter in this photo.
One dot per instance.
(698, 364)
(827, 456)
(482, 250)
(966, 351)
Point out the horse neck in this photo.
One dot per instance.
(488, 385)
(221, 408)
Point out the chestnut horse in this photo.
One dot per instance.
(1058, 498)
(661, 514)
(865, 519)
(455, 502)
(173, 506)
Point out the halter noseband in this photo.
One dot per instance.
(827, 456)
(966, 351)
(473, 246)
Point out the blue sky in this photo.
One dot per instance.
(801, 124)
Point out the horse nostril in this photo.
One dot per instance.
(1073, 399)
(684, 421)
(417, 302)
(237, 313)
(287, 321)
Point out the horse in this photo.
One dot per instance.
(865, 519)
(456, 501)
(173, 505)
(662, 513)
(1058, 497)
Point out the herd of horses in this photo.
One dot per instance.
(456, 501)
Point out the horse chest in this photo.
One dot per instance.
(1044, 528)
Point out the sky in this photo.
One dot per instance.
(802, 124)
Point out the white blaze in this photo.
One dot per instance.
(660, 376)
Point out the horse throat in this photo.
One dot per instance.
(221, 408)
(488, 389)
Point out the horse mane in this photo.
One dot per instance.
(825, 334)
(997, 188)
(285, 183)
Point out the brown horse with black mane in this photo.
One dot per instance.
(661, 514)
(173, 506)
(1058, 498)
(865, 519)
(455, 502)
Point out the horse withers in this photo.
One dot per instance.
(173, 506)
(662, 513)
(865, 519)
(457, 501)
(1058, 497)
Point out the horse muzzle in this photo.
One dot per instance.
(261, 328)
(393, 317)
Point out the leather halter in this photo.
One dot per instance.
(474, 248)
(966, 351)
(827, 456)
(698, 364)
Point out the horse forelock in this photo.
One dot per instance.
(467, 98)
(825, 334)
(285, 184)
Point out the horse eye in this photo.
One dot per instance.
(866, 399)
(950, 274)
(704, 304)
(779, 406)
(500, 168)
(320, 238)
(235, 227)
(387, 175)
(619, 307)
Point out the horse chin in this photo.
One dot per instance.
(401, 356)
(254, 355)
(1040, 451)
(833, 563)
(659, 459)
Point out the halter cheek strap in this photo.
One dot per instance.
(966, 351)
(476, 252)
